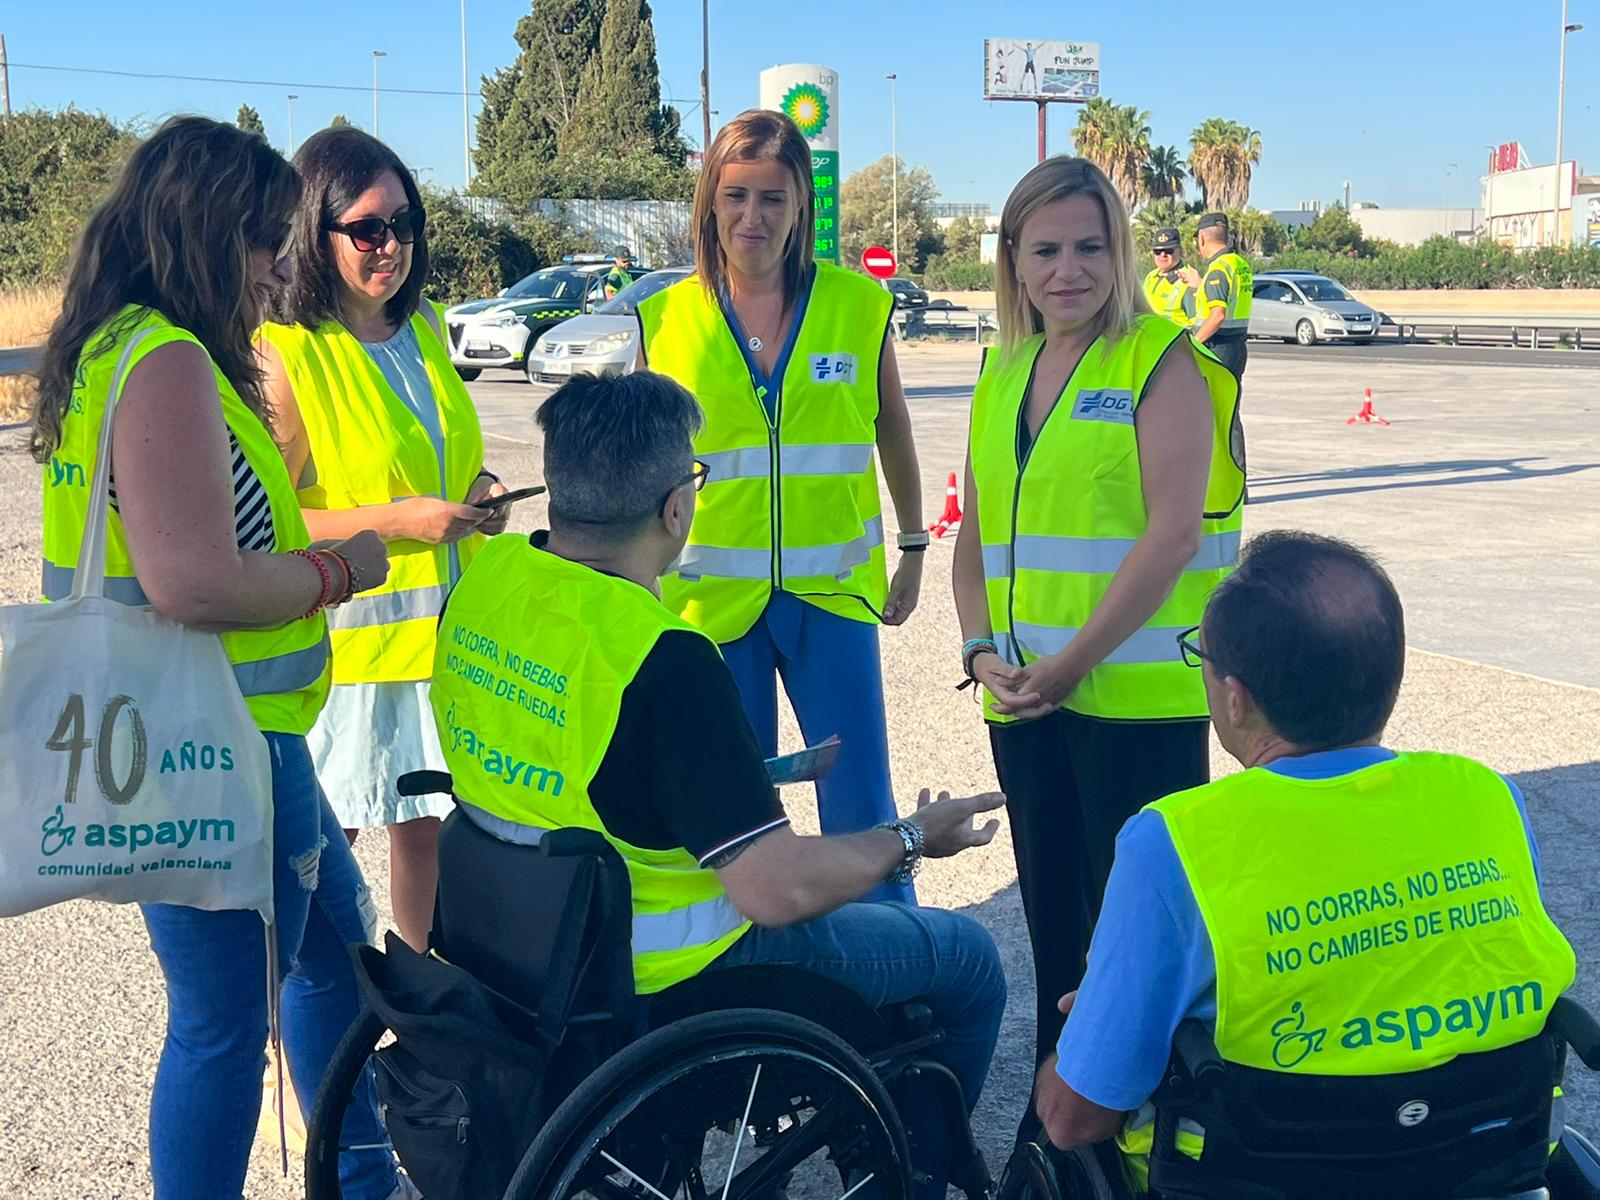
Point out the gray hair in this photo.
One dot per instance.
(615, 448)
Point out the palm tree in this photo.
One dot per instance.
(1156, 214)
(1163, 175)
(1221, 154)
(1116, 138)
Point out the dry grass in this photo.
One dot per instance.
(25, 317)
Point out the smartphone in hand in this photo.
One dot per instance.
(494, 502)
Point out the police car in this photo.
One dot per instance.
(499, 332)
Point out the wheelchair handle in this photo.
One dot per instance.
(1198, 1052)
(1573, 1024)
(424, 783)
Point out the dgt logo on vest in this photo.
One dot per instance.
(1104, 404)
(833, 368)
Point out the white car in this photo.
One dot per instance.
(496, 332)
(605, 341)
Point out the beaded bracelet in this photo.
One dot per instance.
(972, 649)
(327, 581)
(348, 587)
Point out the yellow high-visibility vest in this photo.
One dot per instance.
(1241, 281)
(791, 503)
(282, 671)
(369, 448)
(1058, 523)
(1170, 298)
(534, 654)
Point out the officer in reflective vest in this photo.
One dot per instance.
(1102, 509)
(619, 276)
(1337, 908)
(791, 361)
(1165, 287)
(1223, 297)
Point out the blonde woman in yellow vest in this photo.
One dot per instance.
(378, 432)
(1102, 509)
(791, 361)
(170, 276)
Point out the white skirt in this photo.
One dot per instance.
(368, 736)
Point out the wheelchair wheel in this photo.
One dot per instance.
(746, 1104)
(333, 1098)
(1574, 1168)
(1037, 1172)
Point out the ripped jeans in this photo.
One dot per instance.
(207, 1094)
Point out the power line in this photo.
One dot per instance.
(278, 83)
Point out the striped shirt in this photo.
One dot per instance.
(252, 508)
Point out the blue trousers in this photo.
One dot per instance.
(207, 1093)
(891, 953)
(831, 673)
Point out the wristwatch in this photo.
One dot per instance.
(911, 835)
(913, 541)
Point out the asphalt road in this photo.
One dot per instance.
(1481, 498)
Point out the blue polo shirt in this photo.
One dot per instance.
(1150, 963)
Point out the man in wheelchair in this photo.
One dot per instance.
(568, 697)
(1359, 931)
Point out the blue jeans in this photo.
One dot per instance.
(831, 672)
(208, 1085)
(888, 954)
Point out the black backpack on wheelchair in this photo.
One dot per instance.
(1478, 1127)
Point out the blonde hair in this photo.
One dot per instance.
(754, 135)
(1052, 180)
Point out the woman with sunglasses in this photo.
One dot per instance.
(791, 361)
(170, 276)
(378, 432)
(1102, 509)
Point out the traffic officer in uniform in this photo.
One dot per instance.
(619, 276)
(1166, 287)
(1222, 300)
(1302, 650)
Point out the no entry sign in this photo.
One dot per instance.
(878, 262)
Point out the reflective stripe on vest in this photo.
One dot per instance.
(283, 670)
(1073, 509)
(370, 448)
(534, 654)
(1375, 923)
(791, 502)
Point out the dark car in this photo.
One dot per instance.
(907, 294)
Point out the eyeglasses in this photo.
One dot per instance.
(698, 477)
(1193, 656)
(370, 233)
(1159, 250)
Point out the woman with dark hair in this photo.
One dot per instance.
(1103, 506)
(379, 433)
(792, 363)
(166, 285)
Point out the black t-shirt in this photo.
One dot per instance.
(683, 769)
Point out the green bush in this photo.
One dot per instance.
(470, 257)
(948, 274)
(1444, 263)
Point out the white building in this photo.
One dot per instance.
(1413, 226)
(1518, 205)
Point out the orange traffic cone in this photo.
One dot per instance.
(1366, 415)
(950, 519)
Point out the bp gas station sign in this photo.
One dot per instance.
(808, 94)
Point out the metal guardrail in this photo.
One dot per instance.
(1519, 323)
(20, 360)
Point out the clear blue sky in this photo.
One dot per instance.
(1385, 95)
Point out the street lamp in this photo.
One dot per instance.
(466, 99)
(292, 99)
(376, 55)
(1450, 196)
(1561, 106)
(1488, 191)
(894, 167)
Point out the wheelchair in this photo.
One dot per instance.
(1483, 1126)
(514, 1062)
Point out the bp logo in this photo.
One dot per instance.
(807, 107)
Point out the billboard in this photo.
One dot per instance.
(1509, 156)
(808, 94)
(1019, 69)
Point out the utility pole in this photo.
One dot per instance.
(376, 55)
(1043, 108)
(1561, 109)
(894, 171)
(705, 79)
(292, 99)
(5, 78)
(466, 99)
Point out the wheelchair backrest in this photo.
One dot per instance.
(547, 925)
(1476, 1126)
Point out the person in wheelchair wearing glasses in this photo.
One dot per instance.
(568, 695)
(1336, 909)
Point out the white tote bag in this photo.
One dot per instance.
(130, 768)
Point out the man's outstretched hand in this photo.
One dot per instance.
(947, 823)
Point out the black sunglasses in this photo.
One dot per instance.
(370, 233)
(1163, 250)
